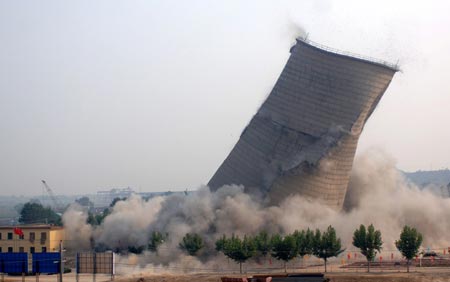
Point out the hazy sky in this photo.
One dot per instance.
(154, 94)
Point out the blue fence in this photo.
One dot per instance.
(14, 263)
(46, 263)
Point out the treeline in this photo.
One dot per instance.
(34, 213)
(322, 244)
(285, 248)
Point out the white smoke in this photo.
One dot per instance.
(294, 30)
(128, 222)
(377, 194)
(78, 232)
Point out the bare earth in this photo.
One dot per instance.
(425, 275)
(334, 277)
(339, 277)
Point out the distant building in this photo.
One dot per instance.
(104, 198)
(30, 238)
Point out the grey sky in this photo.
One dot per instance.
(154, 94)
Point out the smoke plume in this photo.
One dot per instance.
(377, 194)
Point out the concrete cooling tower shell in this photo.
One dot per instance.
(303, 138)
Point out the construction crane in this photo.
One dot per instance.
(56, 204)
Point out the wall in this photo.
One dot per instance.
(303, 138)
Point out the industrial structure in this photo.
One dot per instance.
(303, 138)
(30, 239)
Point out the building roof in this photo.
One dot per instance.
(350, 55)
(33, 226)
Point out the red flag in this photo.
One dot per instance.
(18, 231)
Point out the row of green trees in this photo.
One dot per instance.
(323, 245)
(369, 241)
(285, 248)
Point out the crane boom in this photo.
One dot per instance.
(56, 204)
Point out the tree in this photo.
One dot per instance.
(191, 243)
(115, 200)
(97, 219)
(220, 243)
(369, 242)
(156, 239)
(136, 250)
(236, 249)
(36, 213)
(304, 240)
(284, 249)
(326, 245)
(85, 202)
(263, 243)
(409, 243)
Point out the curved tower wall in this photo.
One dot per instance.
(303, 138)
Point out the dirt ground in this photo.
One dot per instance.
(392, 277)
(424, 275)
(334, 277)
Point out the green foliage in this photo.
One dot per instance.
(263, 243)
(135, 250)
(220, 244)
(326, 244)
(98, 219)
(368, 241)
(36, 213)
(85, 202)
(305, 242)
(156, 239)
(409, 243)
(115, 200)
(191, 243)
(284, 248)
(237, 249)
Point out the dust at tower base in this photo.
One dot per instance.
(303, 138)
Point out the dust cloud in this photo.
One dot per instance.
(378, 194)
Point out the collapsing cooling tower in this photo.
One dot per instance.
(303, 138)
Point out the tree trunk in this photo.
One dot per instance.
(407, 265)
(240, 267)
(368, 265)
(325, 260)
(285, 267)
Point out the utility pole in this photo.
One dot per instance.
(61, 261)
(77, 277)
(95, 266)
